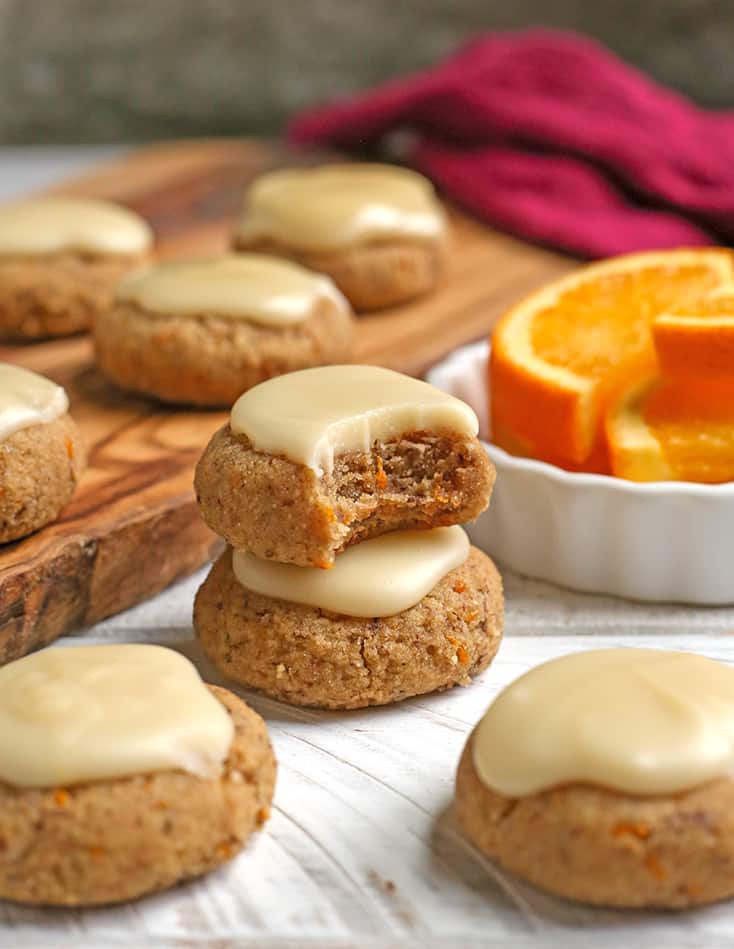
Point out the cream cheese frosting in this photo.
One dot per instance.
(262, 289)
(50, 225)
(379, 577)
(333, 206)
(91, 713)
(641, 721)
(27, 399)
(312, 415)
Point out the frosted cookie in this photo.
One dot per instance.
(317, 460)
(377, 230)
(41, 453)
(400, 615)
(122, 773)
(203, 331)
(606, 777)
(60, 261)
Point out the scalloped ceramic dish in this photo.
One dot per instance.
(665, 541)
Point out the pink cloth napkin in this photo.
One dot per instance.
(551, 136)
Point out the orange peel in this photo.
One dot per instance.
(697, 339)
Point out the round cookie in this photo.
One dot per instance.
(377, 230)
(403, 455)
(114, 838)
(60, 261)
(42, 455)
(604, 845)
(598, 846)
(202, 332)
(309, 656)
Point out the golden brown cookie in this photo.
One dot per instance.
(605, 847)
(60, 262)
(377, 230)
(58, 294)
(207, 360)
(165, 345)
(39, 470)
(284, 511)
(371, 276)
(308, 656)
(115, 840)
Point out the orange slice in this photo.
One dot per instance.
(596, 463)
(673, 430)
(697, 338)
(560, 356)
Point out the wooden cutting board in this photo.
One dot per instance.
(133, 526)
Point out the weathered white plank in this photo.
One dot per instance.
(361, 848)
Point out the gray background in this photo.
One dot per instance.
(125, 70)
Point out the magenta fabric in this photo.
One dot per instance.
(551, 136)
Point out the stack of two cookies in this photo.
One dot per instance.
(349, 583)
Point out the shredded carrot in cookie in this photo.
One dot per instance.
(691, 889)
(459, 586)
(639, 829)
(462, 654)
(62, 798)
(655, 867)
(69, 447)
(381, 477)
(471, 616)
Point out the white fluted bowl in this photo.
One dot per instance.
(666, 541)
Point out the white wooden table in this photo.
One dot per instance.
(361, 849)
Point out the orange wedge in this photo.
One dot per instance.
(697, 338)
(673, 430)
(561, 356)
(596, 463)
